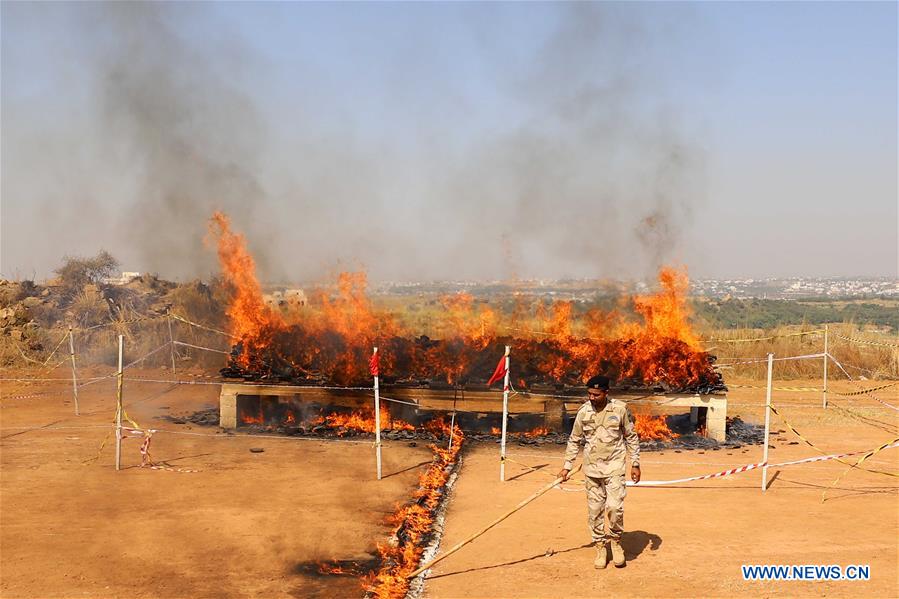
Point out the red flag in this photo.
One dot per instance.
(500, 371)
(374, 364)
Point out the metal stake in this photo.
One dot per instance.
(74, 373)
(767, 423)
(377, 420)
(118, 406)
(824, 395)
(502, 445)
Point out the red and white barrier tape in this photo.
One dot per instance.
(145, 460)
(822, 458)
(741, 469)
(655, 483)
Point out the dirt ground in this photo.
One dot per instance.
(243, 523)
(690, 539)
(238, 527)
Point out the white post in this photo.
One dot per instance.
(452, 428)
(826, 357)
(118, 407)
(767, 423)
(502, 443)
(171, 344)
(74, 373)
(377, 421)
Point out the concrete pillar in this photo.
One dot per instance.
(716, 421)
(227, 409)
(554, 414)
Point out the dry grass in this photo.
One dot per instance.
(860, 360)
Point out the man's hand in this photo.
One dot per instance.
(635, 473)
(563, 474)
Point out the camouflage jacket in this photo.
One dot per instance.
(608, 437)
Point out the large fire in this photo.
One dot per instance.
(250, 320)
(331, 339)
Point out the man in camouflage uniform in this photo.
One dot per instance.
(606, 428)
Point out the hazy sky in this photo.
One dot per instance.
(429, 141)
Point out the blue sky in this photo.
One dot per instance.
(472, 140)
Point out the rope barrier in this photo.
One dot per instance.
(892, 407)
(803, 357)
(45, 362)
(160, 348)
(884, 426)
(847, 365)
(141, 379)
(32, 379)
(749, 340)
(218, 351)
(117, 322)
(55, 428)
(201, 326)
(279, 437)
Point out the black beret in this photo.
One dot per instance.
(598, 382)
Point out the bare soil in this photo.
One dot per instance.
(239, 527)
(690, 539)
(245, 522)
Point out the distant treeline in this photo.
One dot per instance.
(767, 314)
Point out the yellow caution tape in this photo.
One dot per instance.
(866, 342)
(866, 391)
(858, 465)
(777, 388)
(813, 446)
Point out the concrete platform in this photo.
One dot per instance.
(713, 408)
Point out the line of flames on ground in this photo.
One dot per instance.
(413, 523)
(385, 577)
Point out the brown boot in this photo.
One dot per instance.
(602, 555)
(618, 554)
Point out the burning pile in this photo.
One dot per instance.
(330, 341)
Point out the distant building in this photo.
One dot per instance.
(125, 278)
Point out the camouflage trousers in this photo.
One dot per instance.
(605, 497)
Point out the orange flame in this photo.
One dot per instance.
(248, 418)
(251, 321)
(414, 522)
(362, 421)
(332, 338)
(539, 431)
(652, 428)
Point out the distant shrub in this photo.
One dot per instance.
(77, 272)
(89, 309)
